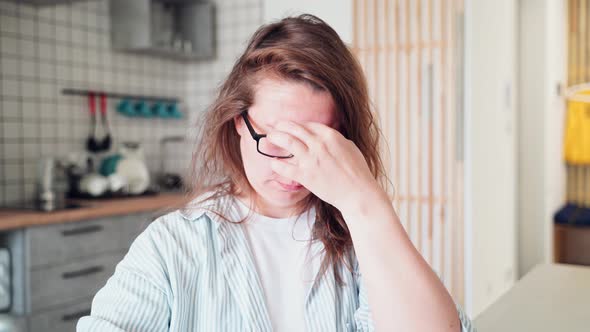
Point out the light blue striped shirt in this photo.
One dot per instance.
(190, 270)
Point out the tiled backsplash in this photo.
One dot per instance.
(46, 49)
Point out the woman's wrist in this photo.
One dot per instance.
(365, 203)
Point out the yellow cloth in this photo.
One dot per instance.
(577, 132)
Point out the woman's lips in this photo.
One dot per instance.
(290, 187)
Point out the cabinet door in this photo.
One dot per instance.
(60, 243)
(56, 285)
(63, 319)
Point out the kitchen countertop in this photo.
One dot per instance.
(18, 218)
(551, 297)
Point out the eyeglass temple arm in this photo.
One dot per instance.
(254, 134)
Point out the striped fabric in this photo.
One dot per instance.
(192, 271)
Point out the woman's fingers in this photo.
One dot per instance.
(321, 130)
(287, 142)
(297, 130)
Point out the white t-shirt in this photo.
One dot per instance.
(280, 251)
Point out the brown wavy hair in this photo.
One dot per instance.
(300, 49)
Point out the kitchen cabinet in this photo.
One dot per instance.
(60, 319)
(177, 29)
(571, 244)
(47, 2)
(60, 243)
(58, 268)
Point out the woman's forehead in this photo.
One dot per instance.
(277, 100)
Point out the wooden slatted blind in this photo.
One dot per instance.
(408, 51)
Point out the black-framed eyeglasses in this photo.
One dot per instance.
(263, 145)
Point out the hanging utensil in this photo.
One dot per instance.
(105, 144)
(91, 144)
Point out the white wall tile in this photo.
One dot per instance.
(12, 171)
(62, 33)
(78, 37)
(8, 23)
(9, 66)
(63, 72)
(46, 70)
(29, 170)
(30, 130)
(30, 188)
(78, 75)
(92, 39)
(46, 13)
(92, 20)
(27, 27)
(29, 110)
(78, 18)
(30, 150)
(28, 68)
(11, 129)
(10, 109)
(12, 193)
(48, 130)
(46, 51)
(46, 30)
(12, 151)
(79, 55)
(8, 7)
(27, 11)
(28, 89)
(48, 90)
(10, 88)
(62, 14)
(9, 45)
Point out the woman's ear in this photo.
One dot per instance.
(239, 124)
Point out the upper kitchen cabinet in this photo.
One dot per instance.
(46, 2)
(182, 29)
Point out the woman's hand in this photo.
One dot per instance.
(325, 162)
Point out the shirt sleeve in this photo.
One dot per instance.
(364, 320)
(135, 298)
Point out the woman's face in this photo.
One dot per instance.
(276, 100)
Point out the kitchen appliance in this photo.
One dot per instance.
(45, 194)
(166, 179)
(51, 188)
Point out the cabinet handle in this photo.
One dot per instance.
(75, 315)
(83, 230)
(83, 272)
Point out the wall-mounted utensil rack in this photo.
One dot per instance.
(83, 92)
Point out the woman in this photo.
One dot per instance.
(289, 209)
